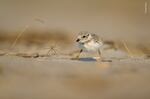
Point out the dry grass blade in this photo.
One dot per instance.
(18, 36)
(146, 8)
(127, 48)
(40, 20)
(52, 49)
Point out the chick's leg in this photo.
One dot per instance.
(99, 53)
(78, 56)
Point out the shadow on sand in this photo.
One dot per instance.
(87, 59)
(91, 59)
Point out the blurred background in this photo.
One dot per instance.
(110, 18)
(127, 20)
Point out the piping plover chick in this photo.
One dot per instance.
(89, 42)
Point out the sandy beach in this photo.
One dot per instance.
(59, 77)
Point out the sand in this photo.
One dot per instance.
(59, 77)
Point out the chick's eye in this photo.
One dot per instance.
(83, 36)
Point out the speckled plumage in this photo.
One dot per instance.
(89, 41)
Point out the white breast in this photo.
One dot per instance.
(91, 46)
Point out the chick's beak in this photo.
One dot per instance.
(77, 40)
